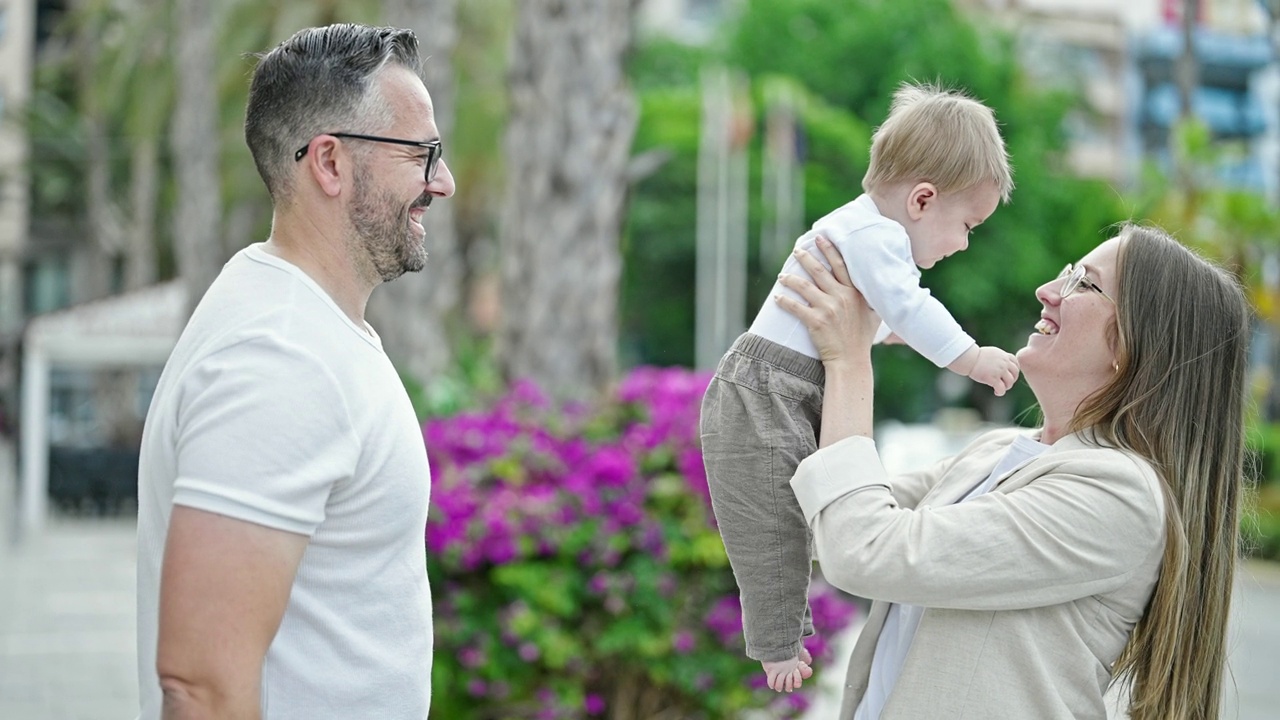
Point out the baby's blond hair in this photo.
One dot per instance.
(939, 136)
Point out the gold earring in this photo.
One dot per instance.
(1115, 366)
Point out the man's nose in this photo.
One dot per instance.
(442, 184)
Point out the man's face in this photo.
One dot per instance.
(389, 228)
(391, 194)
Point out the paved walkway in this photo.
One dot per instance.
(1253, 680)
(67, 625)
(66, 617)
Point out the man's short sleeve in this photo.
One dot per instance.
(263, 435)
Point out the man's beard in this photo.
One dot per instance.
(383, 228)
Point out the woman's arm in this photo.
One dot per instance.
(842, 327)
(847, 401)
(1091, 521)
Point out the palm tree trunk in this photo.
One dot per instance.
(140, 269)
(412, 313)
(101, 215)
(573, 118)
(195, 148)
(1186, 73)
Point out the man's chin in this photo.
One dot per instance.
(408, 264)
(416, 264)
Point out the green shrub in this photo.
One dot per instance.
(576, 568)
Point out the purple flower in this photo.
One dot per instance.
(471, 657)
(598, 584)
(816, 645)
(612, 466)
(525, 392)
(725, 620)
(549, 709)
(442, 536)
(695, 472)
(626, 514)
(683, 642)
(651, 541)
(791, 704)
(831, 610)
(580, 490)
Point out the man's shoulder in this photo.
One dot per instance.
(252, 306)
(222, 324)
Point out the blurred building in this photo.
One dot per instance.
(1235, 93)
(45, 262)
(34, 266)
(17, 38)
(76, 369)
(1086, 50)
(691, 21)
(1122, 58)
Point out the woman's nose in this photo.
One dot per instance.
(1048, 293)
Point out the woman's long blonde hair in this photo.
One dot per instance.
(1181, 335)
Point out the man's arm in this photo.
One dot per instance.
(223, 591)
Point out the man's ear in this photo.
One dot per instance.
(326, 163)
(921, 197)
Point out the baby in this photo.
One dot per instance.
(938, 169)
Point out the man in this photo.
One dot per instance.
(283, 485)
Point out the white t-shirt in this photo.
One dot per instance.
(902, 621)
(877, 252)
(275, 408)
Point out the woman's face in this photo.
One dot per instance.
(1069, 354)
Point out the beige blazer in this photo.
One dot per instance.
(1030, 591)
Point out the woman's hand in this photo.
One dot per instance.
(841, 324)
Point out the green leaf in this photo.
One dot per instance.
(550, 589)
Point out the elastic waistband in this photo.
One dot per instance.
(780, 356)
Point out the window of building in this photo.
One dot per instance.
(47, 285)
(48, 14)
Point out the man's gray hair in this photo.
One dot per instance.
(317, 82)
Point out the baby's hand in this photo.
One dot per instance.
(996, 368)
(790, 674)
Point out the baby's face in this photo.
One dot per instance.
(943, 228)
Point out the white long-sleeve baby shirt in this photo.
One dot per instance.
(877, 252)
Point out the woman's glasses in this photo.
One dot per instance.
(1073, 278)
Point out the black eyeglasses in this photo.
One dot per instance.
(435, 150)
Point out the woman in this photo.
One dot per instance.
(1022, 577)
